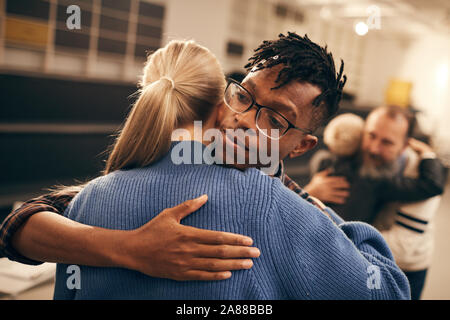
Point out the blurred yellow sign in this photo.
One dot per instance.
(398, 93)
(27, 32)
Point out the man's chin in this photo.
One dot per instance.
(243, 153)
(245, 161)
(380, 171)
(241, 162)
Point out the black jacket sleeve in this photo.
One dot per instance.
(430, 183)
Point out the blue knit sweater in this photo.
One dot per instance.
(304, 255)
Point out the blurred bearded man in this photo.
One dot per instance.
(405, 219)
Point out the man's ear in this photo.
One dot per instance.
(307, 143)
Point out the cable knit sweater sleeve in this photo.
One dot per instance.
(344, 261)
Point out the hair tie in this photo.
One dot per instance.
(169, 79)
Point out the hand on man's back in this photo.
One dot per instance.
(419, 146)
(327, 188)
(165, 248)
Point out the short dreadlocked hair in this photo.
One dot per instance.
(306, 61)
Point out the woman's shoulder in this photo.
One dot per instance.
(290, 206)
(257, 182)
(103, 182)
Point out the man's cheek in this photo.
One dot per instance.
(269, 155)
(285, 146)
(223, 116)
(219, 120)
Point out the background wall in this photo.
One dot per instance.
(426, 63)
(65, 92)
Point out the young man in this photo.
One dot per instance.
(291, 76)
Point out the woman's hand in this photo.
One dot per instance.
(419, 146)
(327, 188)
(164, 248)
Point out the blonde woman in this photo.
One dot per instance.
(304, 254)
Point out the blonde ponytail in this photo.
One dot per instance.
(182, 82)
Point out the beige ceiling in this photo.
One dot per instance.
(408, 17)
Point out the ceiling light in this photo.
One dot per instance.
(361, 28)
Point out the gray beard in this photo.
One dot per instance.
(386, 171)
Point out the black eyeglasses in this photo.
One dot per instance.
(269, 122)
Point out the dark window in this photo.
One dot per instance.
(71, 39)
(32, 8)
(122, 5)
(85, 17)
(235, 49)
(281, 10)
(299, 16)
(149, 31)
(113, 46)
(151, 10)
(142, 50)
(113, 24)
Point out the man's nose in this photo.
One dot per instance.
(375, 148)
(246, 120)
